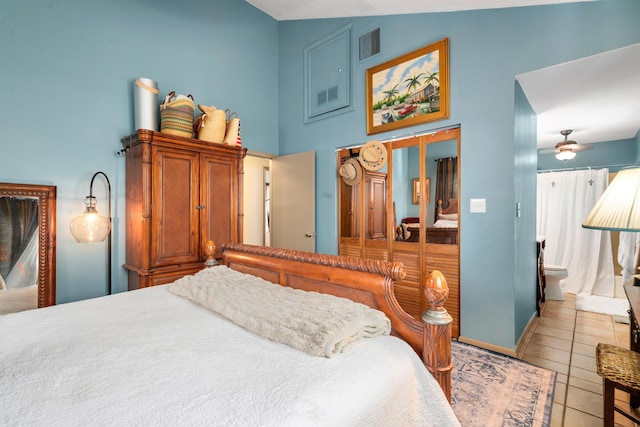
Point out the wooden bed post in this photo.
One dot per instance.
(437, 332)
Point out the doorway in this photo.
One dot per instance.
(279, 200)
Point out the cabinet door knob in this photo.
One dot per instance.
(199, 206)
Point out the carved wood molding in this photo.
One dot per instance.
(394, 270)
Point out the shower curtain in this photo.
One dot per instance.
(564, 199)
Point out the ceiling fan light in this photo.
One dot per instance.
(565, 155)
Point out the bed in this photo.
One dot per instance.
(444, 229)
(154, 357)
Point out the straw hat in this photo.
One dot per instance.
(373, 155)
(351, 172)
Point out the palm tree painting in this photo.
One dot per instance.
(409, 90)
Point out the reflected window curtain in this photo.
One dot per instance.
(564, 199)
(18, 225)
(446, 180)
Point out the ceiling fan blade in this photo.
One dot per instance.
(578, 148)
(549, 150)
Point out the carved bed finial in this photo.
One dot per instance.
(437, 336)
(209, 250)
(436, 291)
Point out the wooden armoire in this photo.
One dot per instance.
(180, 193)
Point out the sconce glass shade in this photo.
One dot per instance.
(90, 226)
(619, 207)
(565, 155)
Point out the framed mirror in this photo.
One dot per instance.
(27, 246)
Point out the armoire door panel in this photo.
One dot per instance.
(376, 191)
(174, 217)
(219, 211)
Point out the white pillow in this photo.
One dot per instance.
(445, 223)
(449, 217)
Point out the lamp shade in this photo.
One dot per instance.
(90, 226)
(619, 207)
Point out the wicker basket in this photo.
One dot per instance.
(211, 124)
(176, 115)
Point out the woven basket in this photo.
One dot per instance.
(232, 135)
(211, 124)
(176, 115)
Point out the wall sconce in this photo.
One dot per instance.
(92, 227)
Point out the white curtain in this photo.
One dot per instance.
(564, 199)
(628, 254)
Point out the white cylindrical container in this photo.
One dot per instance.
(145, 101)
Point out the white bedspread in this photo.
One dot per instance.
(151, 358)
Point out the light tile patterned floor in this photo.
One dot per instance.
(564, 340)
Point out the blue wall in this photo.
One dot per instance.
(66, 75)
(524, 184)
(68, 67)
(488, 48)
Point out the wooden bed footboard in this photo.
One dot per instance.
(369, 282)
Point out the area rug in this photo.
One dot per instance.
(616, 307)
(491, 389)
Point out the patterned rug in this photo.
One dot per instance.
(491, 389)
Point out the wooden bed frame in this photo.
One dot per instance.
(446, 236)
(451, 209)
(369, 282)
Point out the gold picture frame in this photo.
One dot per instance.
(416, 190)
(409, 90)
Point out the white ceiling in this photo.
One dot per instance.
(598, 97)
(284, 10)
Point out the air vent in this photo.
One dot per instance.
(369, 44)
(332, 93)
(322, 97)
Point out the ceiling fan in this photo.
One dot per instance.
(567, 149)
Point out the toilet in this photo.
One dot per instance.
(553, 274)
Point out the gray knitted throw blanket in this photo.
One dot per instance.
(318, 324)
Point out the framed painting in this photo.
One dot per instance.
(409, 90)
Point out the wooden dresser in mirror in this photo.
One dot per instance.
(27, 246)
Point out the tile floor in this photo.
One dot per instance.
(564, 340)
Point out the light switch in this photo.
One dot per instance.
(478, 206)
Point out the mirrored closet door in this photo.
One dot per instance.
(420, 188)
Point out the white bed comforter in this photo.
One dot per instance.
(151, 358)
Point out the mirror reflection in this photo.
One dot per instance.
(441, 193)
(18, 253)
(27, 246)
(365, 191)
